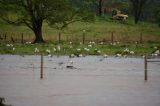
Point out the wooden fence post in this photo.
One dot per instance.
(84, 34)
(41, 73)
(112, 38)
(5, 36)
(145, 69)
(12, 39)
(67, 38)
(1, 38)
(59, 37)
(141, 38)
(22, 41)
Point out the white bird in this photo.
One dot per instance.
(80, 55)
(118, 55)
(105, 55)
(99, 51)
(132, 52)
(126, 50)
(72, 55)
(143, 56)
(13, 49)
(58, 47)
(70, 42)
(54, 49)
(48, 51)
(155, 47)
(78, 50)
(49, 55)
(157, 52)
(90, 45)
(80, 43)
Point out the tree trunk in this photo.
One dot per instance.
(37, 29)
(136, 19)
(100, 7)
(38, 37)
(138, 6)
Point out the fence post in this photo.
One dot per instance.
(12, 39)
(1, 38)
(59, 37)
(84, 34)
(5, 36)
(41, 73)
(22, 39)
(67, 38)
(141, 38)
(145, 69)
(112, 38)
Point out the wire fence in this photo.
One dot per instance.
(109, 37)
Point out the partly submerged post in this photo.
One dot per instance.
(41, 73)
(145, 69)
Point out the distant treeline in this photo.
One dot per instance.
(150, 9)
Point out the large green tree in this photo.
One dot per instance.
(33, 13)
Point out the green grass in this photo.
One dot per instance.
(99, 30)
(67, 49)
(125, 32)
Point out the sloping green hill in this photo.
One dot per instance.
(101, 29)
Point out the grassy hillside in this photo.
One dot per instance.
(99, 30)
(126, 36)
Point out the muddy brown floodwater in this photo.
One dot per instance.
(94, 81)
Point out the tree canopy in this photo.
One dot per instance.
(33, 13)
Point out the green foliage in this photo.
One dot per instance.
(32, 13)
(157, 15)
(123, 6)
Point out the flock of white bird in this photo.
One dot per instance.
(90, 45)
(124, 53)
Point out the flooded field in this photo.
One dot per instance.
(93, 81)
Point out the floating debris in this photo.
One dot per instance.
(60, 63)
(70, 65)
